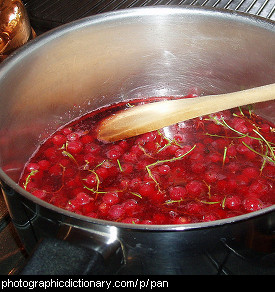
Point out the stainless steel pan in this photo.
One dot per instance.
(118, 56)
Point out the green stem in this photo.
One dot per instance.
(224, 155)
(164, 161)
(28, 178)
(263, 155)
(119, 165)
(172, 159)
(267, 143)
(68, 154)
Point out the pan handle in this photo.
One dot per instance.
(97, 256)
(58, 257)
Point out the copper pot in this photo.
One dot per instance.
(15, 29)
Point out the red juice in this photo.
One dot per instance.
(208, 168)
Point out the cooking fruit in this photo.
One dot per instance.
(200, 170)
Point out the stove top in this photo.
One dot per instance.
(48, 14)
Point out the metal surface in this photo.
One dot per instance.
(51, 13)
(123, 55)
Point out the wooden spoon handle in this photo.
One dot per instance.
(152, 116)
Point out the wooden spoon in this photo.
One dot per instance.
(153, 116)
